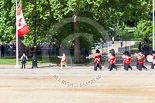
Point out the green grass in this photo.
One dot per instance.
(44, 60)
(7, 60)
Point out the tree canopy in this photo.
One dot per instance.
(108, 13)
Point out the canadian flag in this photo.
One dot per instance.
(22, 26)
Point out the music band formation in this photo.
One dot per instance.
(140, 59)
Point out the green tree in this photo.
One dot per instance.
(108, 13)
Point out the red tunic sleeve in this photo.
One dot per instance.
(97, 59)
(124, 60)
(154, 57)
(141, 60)
(111, 60)
(128, 60)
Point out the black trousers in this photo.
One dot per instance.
(111, 66)
(152, 66)
(124, 65)
(137, 64)
(140, 66)
(127, 66)
(97, 65)
(2, 54)
(23, 65)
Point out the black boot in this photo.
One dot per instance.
(116, 69)
(131, 68)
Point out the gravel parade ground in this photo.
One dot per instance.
(76, 86)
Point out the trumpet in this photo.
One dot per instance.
(135, 54)
(138, 55)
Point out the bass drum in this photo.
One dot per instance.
(150, 58)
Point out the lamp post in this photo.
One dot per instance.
(34, 58)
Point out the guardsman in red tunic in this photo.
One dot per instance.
(124, 61)
(112, 61)
(153, 63)
(137, 62)
(137, 55)
(97, 60)
(124, 58)
(127, 62)
(141, 59)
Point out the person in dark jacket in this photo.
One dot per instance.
(140, 47)
(2, 50)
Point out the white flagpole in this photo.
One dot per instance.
(17, 65)
(153, 28)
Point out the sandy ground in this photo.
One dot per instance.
(103, 87)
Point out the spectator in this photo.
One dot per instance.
(121, 44)
(113, 39)
(23, 58)
(140, 46)
(2, 50)
(118, 37)
(53, 47)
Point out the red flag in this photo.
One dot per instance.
(22, 26)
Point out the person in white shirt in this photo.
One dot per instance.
(23, 58)
(63, 61)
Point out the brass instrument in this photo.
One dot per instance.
(139, 54)
(136, 54)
